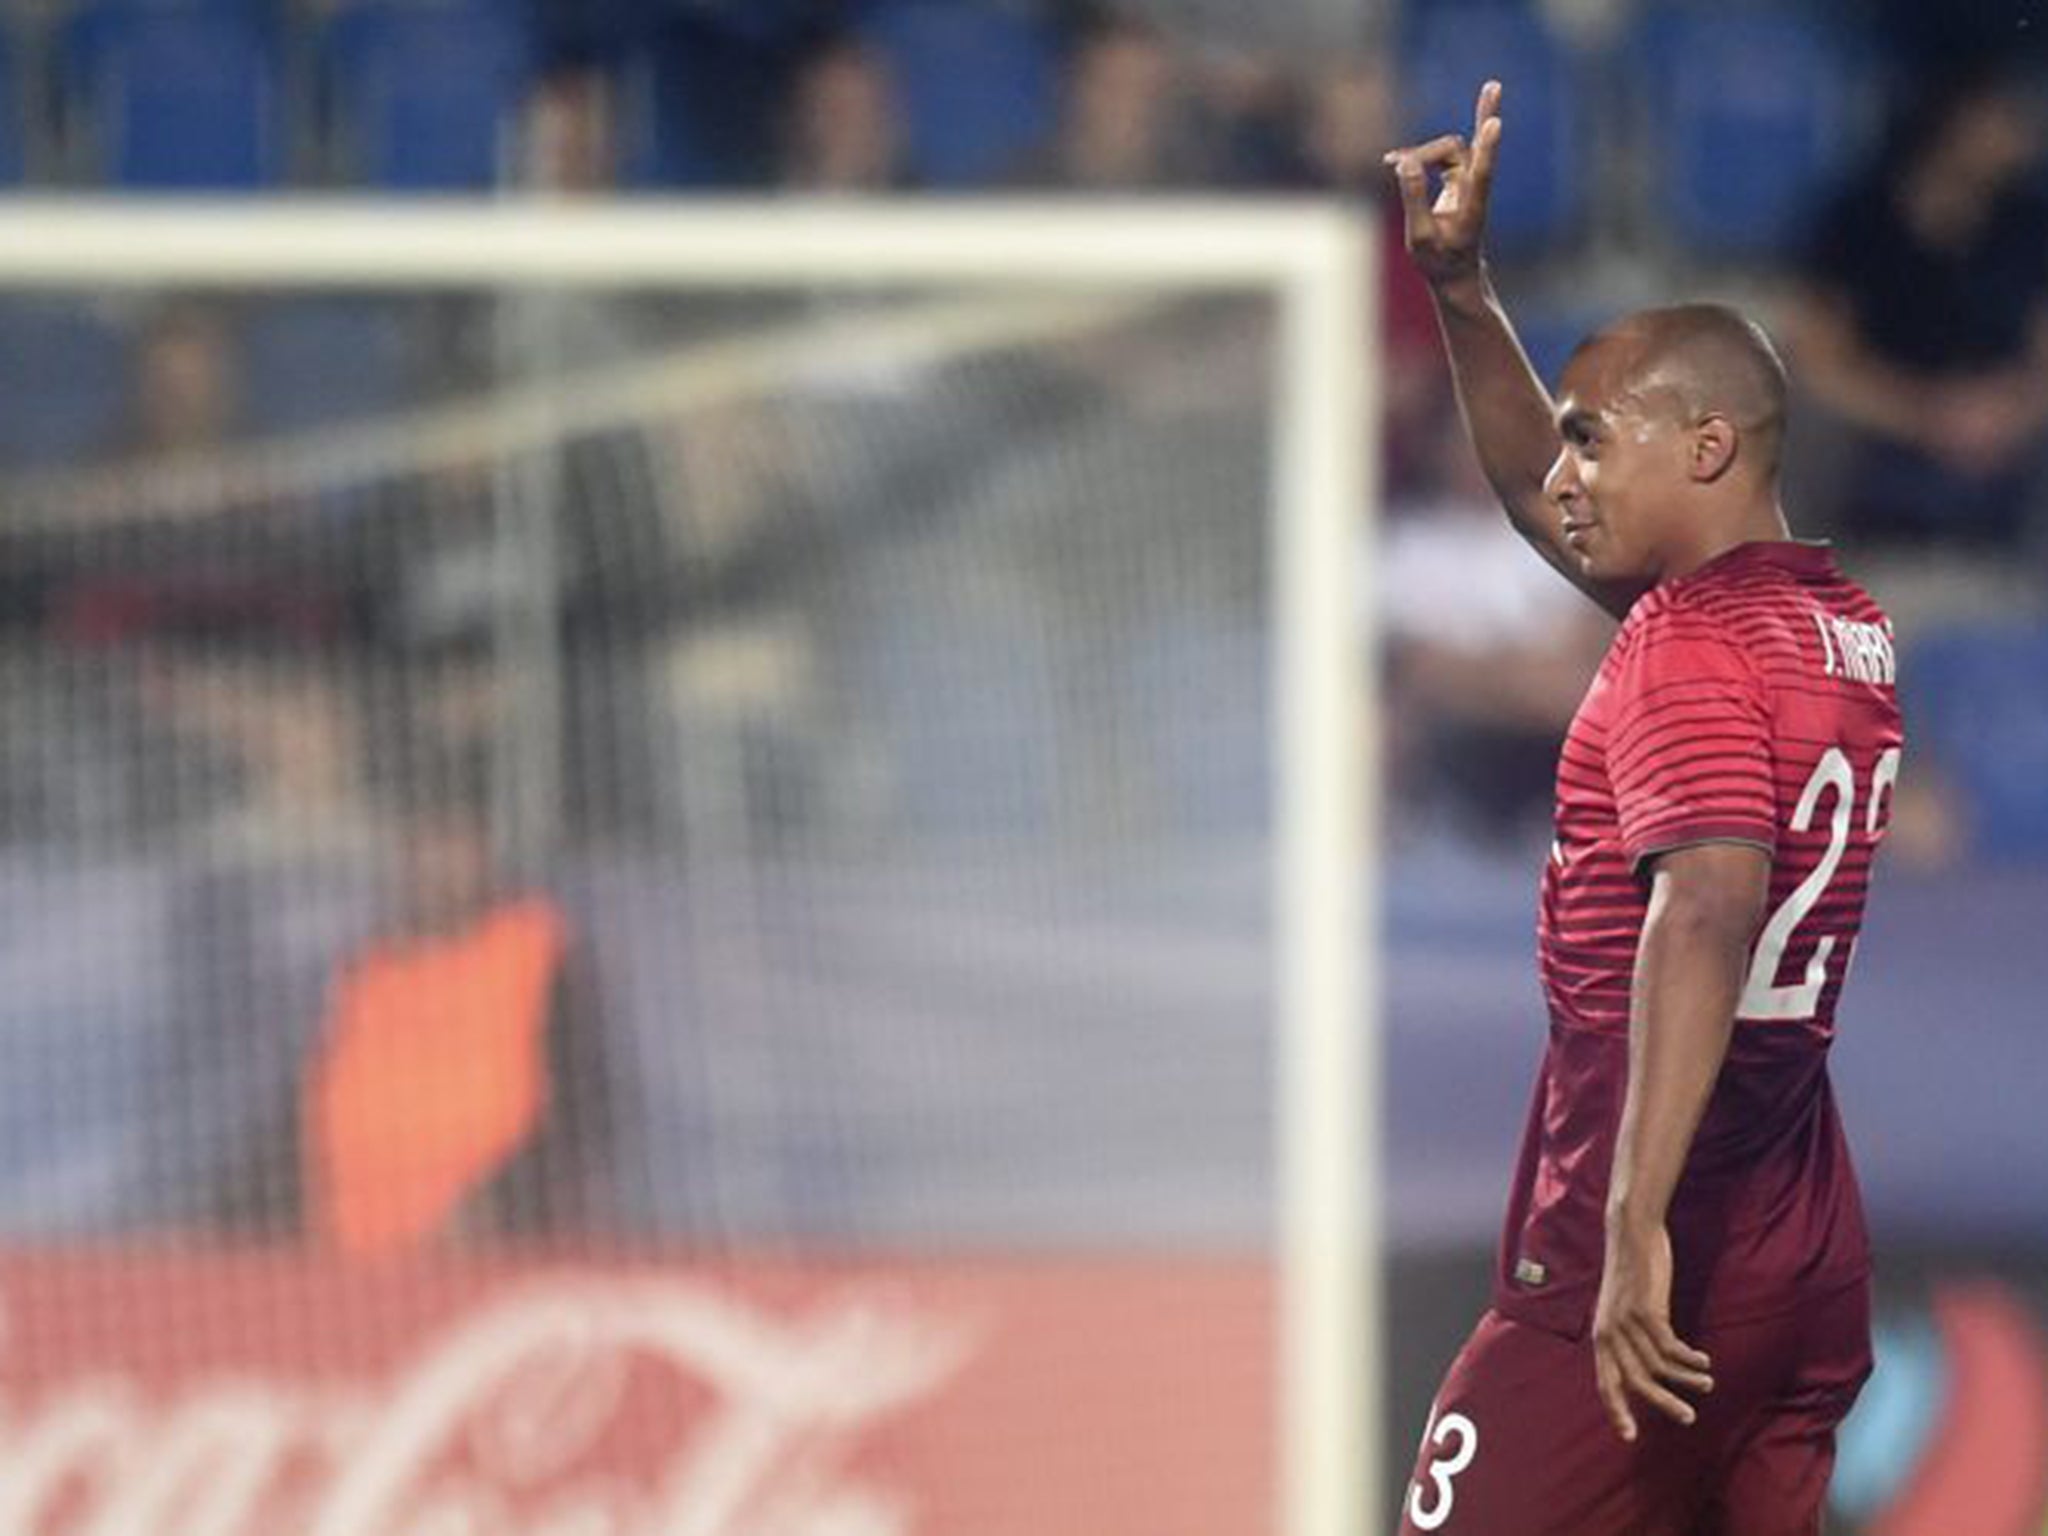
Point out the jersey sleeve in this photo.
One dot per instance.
(1689, 756)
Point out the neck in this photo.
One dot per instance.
(1761, 521)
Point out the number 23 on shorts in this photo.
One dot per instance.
(1431, 1498)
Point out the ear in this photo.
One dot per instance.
(1712, 453)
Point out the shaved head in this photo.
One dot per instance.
(1710, 360)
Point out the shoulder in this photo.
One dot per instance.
(1690, 629)
(1684, 612)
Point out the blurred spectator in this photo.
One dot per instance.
(1249, 104)
(458, 1084)
(569, 142)
(1489, 656)
(844, 131)
(187, 395)
(1349, 118)
(1924, 325)
(1123, 126)
(439, 1061)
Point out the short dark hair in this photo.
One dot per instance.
(1719, 361)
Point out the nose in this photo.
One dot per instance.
(1562, 485)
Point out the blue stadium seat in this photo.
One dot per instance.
(311, 362)
(178, 97)
(427, 92)
(64, 377)
(1538, 197)
(1977, 699)
(979, 85)
(1750, 110)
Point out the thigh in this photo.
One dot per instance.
(1518, 1445)
(1775, 1481)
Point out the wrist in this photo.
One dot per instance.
(1468, 290)
(1629, 1219)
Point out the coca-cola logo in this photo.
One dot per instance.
(506, 1424)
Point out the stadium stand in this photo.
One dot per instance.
(1752, 111)
(176, 98)
(699, 108)
(978, 83)
(64, 375)
(289, 352)
(1977, 702)
(1538, 202)
(424, 92)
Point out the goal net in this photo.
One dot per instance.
(684, 872)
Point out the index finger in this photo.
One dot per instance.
(1445, 151)
(1486, 131)
(1488, 108)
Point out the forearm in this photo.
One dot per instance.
(1688, 979)
(1869, 395)
(1507, 409)
(1854, 383)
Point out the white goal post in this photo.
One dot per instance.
(1317, 263)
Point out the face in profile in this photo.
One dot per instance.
(844, 124)
(569, 144)
(1992, 140)
(1120, 96)
(185, 385)
(1621, 469)
(1351, 122)
(449, 868)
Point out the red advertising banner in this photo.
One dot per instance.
(183, 1393)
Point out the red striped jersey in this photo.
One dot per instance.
(1752, 700)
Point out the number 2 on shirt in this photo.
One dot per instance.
(1762, 998)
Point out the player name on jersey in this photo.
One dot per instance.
(1861, 652)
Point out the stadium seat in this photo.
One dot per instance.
(1538, 198)
(177, 97)
(1749, 110)
(290, 356)
(426, 93)
(1977, 698)
(978, 84)
(64, 376)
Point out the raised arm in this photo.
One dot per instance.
(1508, 412)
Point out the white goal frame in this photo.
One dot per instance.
(1319, 265)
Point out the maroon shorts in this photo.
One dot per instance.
(1518, 1444)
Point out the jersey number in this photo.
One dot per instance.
(1429, 1508)
(1762, 997)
